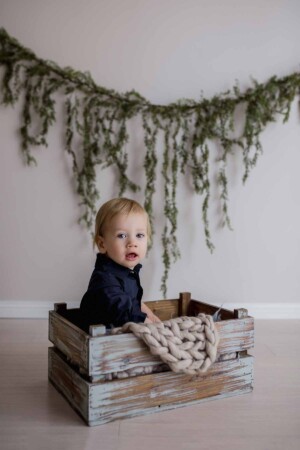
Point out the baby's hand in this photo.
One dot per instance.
(151, 317)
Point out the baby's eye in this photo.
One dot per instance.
(121, 235)
(140, 235)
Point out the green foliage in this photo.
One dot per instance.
(96, 132)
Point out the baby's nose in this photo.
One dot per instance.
(131, 243)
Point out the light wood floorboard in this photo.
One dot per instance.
(34, 416)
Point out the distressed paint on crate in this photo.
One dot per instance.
(110, 354)
(105, 354)
(69, 339)
(102, 402)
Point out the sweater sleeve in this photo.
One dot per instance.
(108, 305)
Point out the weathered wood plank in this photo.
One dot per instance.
(169, 309)
(184, 301)
(68, 383)
(150, 393)
(141, 395)
(196, 307)
(235, 335)
(116, 353)
(69, 339)
(123, 352)
(164, 309)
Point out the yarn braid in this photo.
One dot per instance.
(187, 344)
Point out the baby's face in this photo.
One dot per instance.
(125, 239)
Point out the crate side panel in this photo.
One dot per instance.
(164, 309)
(68, 383)
(117, 353)
(69, 339)
(157, 392)
(124, 352)
(196, 307)
(235, 335)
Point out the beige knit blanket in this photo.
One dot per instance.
(187, 344)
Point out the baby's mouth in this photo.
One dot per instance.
(131, 256)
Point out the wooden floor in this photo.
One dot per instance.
(34, 416)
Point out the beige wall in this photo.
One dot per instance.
(166, 50)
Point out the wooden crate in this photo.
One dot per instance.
(86, 368)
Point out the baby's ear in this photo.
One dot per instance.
(100, 244)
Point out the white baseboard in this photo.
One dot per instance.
(19, 309)
(24, 309)
(269, 310)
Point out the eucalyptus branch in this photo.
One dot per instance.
(96, 132)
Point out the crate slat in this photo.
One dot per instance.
(196, 307)
(99, 403)
(70, 340)
(125, 351)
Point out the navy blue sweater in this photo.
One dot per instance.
(114, 295)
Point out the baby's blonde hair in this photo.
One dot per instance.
(118, 206)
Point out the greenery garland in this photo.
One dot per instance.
(96, 131)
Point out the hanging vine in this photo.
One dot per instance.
(96, 120)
